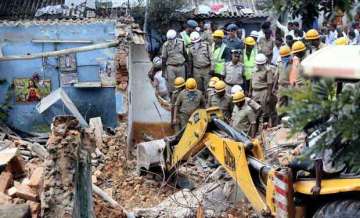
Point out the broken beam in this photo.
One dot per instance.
(60, 41)
(60, 52)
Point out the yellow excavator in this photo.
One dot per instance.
(272, 190)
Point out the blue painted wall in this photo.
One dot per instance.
(91, 102)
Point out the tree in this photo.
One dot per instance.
(316, 106)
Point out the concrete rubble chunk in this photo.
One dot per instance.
(24, 192)
(34, 208)
(36, 177)
(16, 166)
(15, 211)
(6, 180)
(97, 125)
(7, 155)
(4, 199)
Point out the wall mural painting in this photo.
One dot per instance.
(28, 90)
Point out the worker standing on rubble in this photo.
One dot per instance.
(261, 86)
(298, 51)
(313, 38)
(234, 71)
(243, 116)
(179, 85)
(282, 76)
(173, 58)
(187, 102)
(185, 35)
(200, 61)
(221, 100)
(249, 61)
(219, 51)
(266, 44)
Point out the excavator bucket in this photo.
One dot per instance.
(150, 154)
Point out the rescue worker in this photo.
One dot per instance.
(313, 37)
(200, 61)
(282, 76)
(185, 35)
(232, 41)
(179, 85)
(249, 55)
(266, 45)
(234, 71)
(159, 82)
(173, 58)
(187, 102)
(261, 86)
(219, 51)
(255, 35)
(342, 41)
(207, 34)
(211, 88)
(298, 51)
(243, 117)
(221, 100)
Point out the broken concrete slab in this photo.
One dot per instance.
(15, 211)
(36, 177)
(57, 95)
(7, 155)
(24, 192)
(97, 125)
(6, 181)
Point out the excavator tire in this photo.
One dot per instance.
(339, 209)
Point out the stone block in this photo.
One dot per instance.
(6, 181)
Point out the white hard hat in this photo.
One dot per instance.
(254, 33)
(157, 61)
(260, 59)
(235, 89)
(171, 34)
(195, 37)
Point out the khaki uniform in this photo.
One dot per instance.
(243, 117)
(283, 72)
(200, 57)
(234, 73)
(224, 103)
(259, 83)
(206, 36)
(174, 54)
(174, 96)
(266, 47)
(187, 102)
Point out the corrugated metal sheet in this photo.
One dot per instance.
(227, 8)
(20, 9)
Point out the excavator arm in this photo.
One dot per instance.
(206, 129)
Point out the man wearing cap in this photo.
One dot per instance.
(221, 100)
(234, 71)
(219, 51)
(249, 55)
(313, 38)
(173, 58)
(179, 85)
(187, 102)
(261, 85)
(243, 116)
(266, 44)
(200, 61)
(232, 41)
(298, 51)
(189, 28)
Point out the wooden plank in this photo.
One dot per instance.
(60, 52)
(61, 41)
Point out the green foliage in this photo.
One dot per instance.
(161, 12)
(318, 100)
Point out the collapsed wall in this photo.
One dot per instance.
(67, 178)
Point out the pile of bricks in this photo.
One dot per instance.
(19, 185)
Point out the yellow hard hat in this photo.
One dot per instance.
(191, 84)
(179, 82)
(298, 46)
(213, 81)
(250, 41)
(218, 33)
(285, 51)
(341, 41)
(220, 86)
(312, 34)
(238, 97)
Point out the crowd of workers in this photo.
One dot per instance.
(242, 75)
